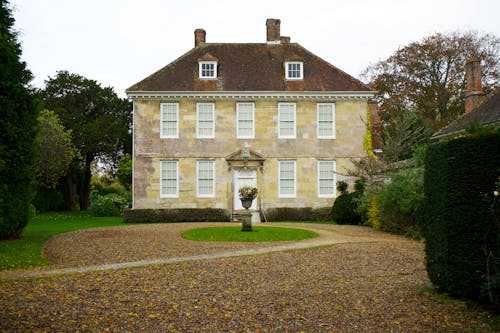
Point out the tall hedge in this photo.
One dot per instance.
(18, 131)
(461, 229)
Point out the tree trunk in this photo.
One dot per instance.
(85, 184)
(69, 193)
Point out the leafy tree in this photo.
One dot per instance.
(428, 77)
(18, 129)
(406, 132)
(124, 173)
(101, 127)
(56, 150)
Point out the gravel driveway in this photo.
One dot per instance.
(366, 281)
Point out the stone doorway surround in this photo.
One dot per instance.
(240, 161)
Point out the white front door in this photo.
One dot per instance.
(244, 178)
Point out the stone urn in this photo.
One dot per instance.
(246, 203)
(247, 194)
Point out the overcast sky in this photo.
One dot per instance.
(120, 42)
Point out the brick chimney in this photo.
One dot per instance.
(474, 94)
(273, 31)
(199, 36)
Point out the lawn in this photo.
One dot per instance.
(259, 234)
(26, 252)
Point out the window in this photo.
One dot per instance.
(326, 179)
(205, 178)
(286, 120)
(169, 120)
(205, 120)
(294, 71)
(286, 172)
(208, 69)
(326, 120)
(245, 120)
(169, 180)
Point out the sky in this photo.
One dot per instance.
(120, 42)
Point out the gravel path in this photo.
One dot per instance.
(367, 282)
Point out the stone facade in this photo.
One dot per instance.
(306, 149)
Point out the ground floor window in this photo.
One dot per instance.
(205, 178)
(169, 180)
(326, 179)
(287, 179)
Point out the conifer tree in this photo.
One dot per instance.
(18, 131)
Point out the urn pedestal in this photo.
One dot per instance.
(246, 224)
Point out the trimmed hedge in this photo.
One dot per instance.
(177, 215)
(298, 214)
(461, 227)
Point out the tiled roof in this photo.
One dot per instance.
(249, 67)
(487, 113)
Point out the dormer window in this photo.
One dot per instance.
(294, 70)
(208, 69)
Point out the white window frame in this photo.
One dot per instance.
(238, 134)
(198, 134)
(287, 195)
(204, 195)
(289, 70)
(201, 70)
(162, 166)
(283, 136)
(318, 106)
(162, 121)
(332, 179)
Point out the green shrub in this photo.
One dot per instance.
(298, 214)
(49, 199)
(342, 186)
(108, 205)
(177, 215)
(99, 188)
(462, 225)
(344, 209)
(400, 202)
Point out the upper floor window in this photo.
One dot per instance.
(245, 128)
(294, 70)
(205, 120)
(208, 69)
(326, 120)
(286, 120)
(169, 120)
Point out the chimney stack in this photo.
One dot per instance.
(273, 31)
(199, 36)
(474, 94)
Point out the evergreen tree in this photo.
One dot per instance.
(18, 131)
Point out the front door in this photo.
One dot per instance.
(244, 178)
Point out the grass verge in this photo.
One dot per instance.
(259, 234)
(26, 252)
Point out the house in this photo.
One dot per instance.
(272, 115)
(478, 109)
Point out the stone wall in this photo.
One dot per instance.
(306, 149)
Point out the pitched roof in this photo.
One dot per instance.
(249, 67)
(485, 114)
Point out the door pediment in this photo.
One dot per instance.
(245, 158)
